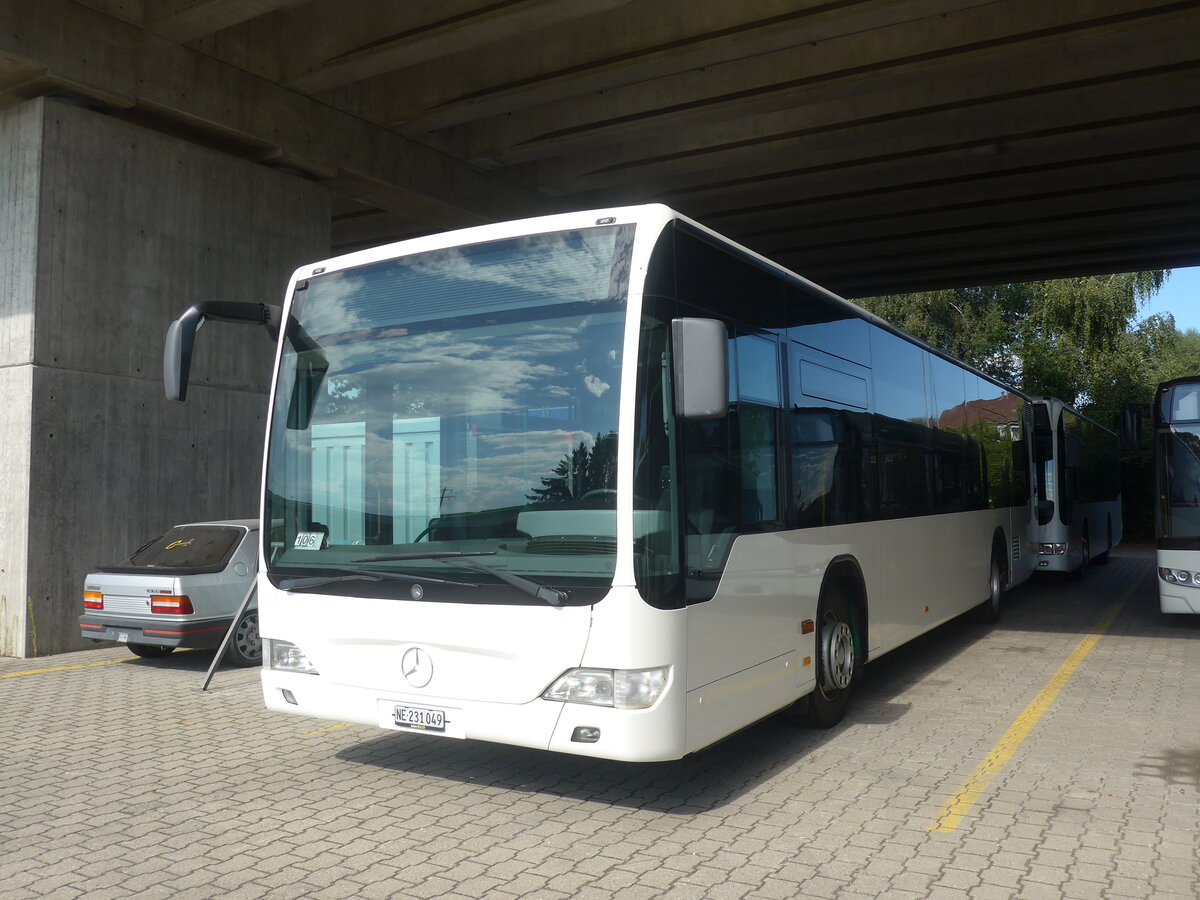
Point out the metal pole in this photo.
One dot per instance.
(237, 617)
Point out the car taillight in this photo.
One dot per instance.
(93, 600)
(179, 604)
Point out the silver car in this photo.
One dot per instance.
(181, 589)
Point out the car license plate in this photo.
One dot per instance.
(419, 718)
(122, 637)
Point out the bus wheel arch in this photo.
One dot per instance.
(841, 642)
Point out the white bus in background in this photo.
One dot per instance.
(608, 484)
(1077, 482)
(1177, 493)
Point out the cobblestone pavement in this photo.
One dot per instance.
(119, 778)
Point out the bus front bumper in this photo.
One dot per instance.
(632, 735)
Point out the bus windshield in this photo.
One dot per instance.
(458, 402)
(1180, 458)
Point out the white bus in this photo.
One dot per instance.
(1077, 482)
(606, 483)
(1177, 489)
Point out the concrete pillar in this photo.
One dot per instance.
(107, 232)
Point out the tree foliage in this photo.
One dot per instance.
(1074, 338)
(1079, 339)
(582, 472)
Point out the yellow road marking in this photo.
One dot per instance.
(958, 806)
(107, 662)
(327, 730)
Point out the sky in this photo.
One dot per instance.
(1180, 296)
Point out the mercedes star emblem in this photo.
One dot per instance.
(417, 667)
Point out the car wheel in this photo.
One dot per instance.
(245, 645)
(150, 651)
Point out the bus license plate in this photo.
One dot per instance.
(419, 718)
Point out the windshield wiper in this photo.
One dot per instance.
(299, 584)
(550, 595)
(432, 554)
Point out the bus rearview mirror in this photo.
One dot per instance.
(700, 353)
(1131, 426)
(181, 336)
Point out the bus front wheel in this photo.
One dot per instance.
(837, 662)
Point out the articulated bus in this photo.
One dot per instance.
(1177, 489)
(1077, 479)
(607, 483)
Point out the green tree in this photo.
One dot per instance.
(583, 471)
(1078, 339)
(1073, 338)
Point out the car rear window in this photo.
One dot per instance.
(201, 548)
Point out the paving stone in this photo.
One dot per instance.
(165, 792)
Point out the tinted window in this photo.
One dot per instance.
(819, 382)
(905, 475)
(898, 377)
(730, 488)
(949, 397)
(819, 323)
(718, 278)
(757, 368)
(1185, 403)
(832, 467)
(997, 424)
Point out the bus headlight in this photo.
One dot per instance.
(1180, 576)
(286, 657)
(619, 688)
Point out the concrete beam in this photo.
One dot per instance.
(186, 20)
(755, 198)
(610, 51)
(1010, 267)
(865, 77)
(865, 210)
(1169, 210)
(371, 39)
(984, 129)
(717, 134)
(178, 87)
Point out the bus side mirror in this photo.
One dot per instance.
(700, 354)
(181, 336)
(1131, 426)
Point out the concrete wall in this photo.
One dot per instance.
(20, 167)
(131, 227)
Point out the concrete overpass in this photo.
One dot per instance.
(873, 145)
(159, 151)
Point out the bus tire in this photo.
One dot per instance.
(1085, 551)
(1102, 558)
(837, 660)
(988, 612)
